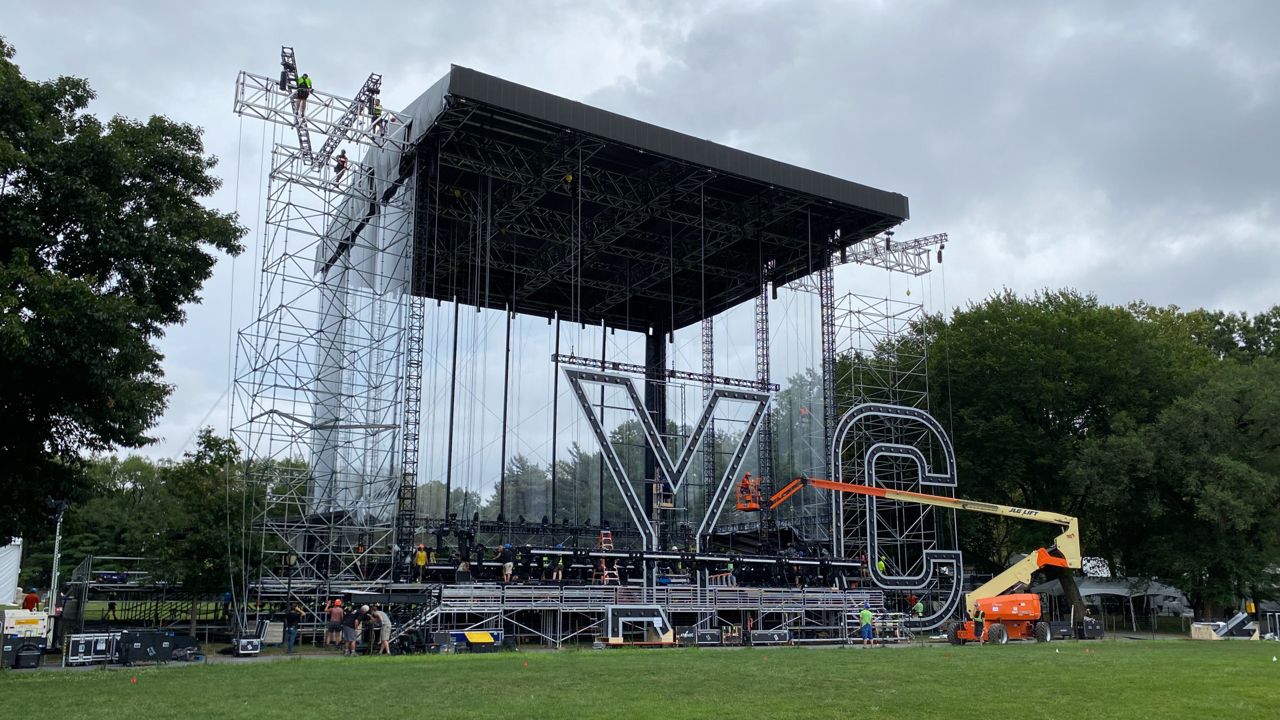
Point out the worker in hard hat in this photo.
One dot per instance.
(333, 631)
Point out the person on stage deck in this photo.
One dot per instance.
(557, 570)
(420, 564)
(918, 608)
(383, 622)
(292, 621)
(507, 557)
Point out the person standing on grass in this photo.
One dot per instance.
(866, 618)
(350, 631)
(334, 632)
(292, 620)
(365, 616)
(383, 621)
(31, 600)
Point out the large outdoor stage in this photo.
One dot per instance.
(514, 203)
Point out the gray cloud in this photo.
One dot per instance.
(1124, 149)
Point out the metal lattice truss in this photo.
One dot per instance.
(588, 248)
(671, 474)
(913, 257)
(321, 373)
(764, 448)
(328, 115)
(902, 448)
(885, 365)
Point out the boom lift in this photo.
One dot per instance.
(1002, 616)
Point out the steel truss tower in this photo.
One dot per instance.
(884, 368)
(881, 368)
(323, 369)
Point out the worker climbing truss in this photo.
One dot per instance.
(322, 368)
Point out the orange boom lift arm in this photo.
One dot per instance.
(1065, 551)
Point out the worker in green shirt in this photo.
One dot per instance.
(300, 95)
(379, 122)
(866, 617)
(919, 608)
(881, 565)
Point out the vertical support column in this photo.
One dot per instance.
(407, 497)
(555, 423)
(827, 318)
(655, 403)
(709, 440)
(604, 350)
(764, 441)
(453, 397)
(506, 396)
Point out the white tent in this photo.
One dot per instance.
(1165, 599)
(10, 566)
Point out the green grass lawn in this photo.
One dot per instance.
(1160, 679)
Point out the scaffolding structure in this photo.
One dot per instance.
(323, 369)
(556, 616)
(502, 202)
(888, 368)
(884, 367)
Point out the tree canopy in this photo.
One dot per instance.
(103, 241)
(1155, 426)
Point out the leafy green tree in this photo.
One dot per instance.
(431, 500)
(199, 536)
(105, 523)
(103, 241)
(1027, 381)
(526, 492)
(1194, 497)
(1237, 336)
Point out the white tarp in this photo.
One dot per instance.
(10, 566)
(1167, 599)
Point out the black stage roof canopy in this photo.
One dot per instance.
(544, 205)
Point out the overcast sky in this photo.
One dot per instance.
(1128, 149)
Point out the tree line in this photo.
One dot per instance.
(1159, 428)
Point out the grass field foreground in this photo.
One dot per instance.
(1166, 679)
